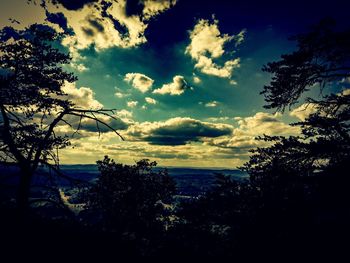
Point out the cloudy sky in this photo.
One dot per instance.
(183, 75)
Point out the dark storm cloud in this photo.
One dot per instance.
(179, 131)
(91, 126)
(191, 128)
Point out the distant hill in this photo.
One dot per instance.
(190, 181)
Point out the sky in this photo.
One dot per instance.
(183, 75)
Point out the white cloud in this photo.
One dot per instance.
(150, 100)
(212, 104)
(139, 81)
(207, 44)
(177, 87)
(243, 137)
(91, 26)
(132, 104)
(153, 8)
(265, 123)
(196, 79)
(124, 113)
(94, 25)
(79, 66)
(82, 97)
(119, 94)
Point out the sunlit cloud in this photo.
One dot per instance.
(177, 87)
(132, 104)
(100, 24)
(207, 44)
(243, 138)
(150, 100)
(303, 111)
(139, 81)
(105, 23)
(196, 79)
(82, 97)
(212, 104)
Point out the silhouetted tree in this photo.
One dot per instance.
(322, 59)
(302, 179)
(32, 102)
(131, 199)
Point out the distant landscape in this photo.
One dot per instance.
(190, 182)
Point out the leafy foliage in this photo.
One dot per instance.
(301, 179)
(32, 102)
(131, 199)
(323, 57)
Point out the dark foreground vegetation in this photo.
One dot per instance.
(296, 199)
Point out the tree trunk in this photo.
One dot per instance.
(23, 193)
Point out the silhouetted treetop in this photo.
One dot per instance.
(34, 69)
(131, 198)
(322, 57)
(33, 103)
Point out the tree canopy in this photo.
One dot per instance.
(32, 101)
(131, 199)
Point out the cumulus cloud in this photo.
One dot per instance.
(196, 79)
(176, 131)
(243, 137)
(153, 8)
(185, 140)
(99, 24)
(150, 100)
(106, 23)
(124, 113)
(83, 97)
(264, 123)
(303, 111)
(132, 104)
(207, 43)
(139, 81)
(177, 87)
